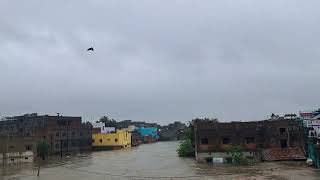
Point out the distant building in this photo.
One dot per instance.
(148, 135)
(310, 120)
(117, 140)
(174, 131)
(100, 128)
(17, 149)
(136, 139)
(130, 128)
(281, 139)
(65, 134)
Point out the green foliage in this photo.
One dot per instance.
(237, 156)
(43, 149)
(215, 120)
(186, 149)
(108, 122)
(190, 134)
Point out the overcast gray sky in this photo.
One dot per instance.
(159, 61)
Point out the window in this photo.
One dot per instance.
(282, 131)
(92, 140)
(73, 144)
(80, 133)
(28, 147)
(209, 160)
(249, 140)
(108, 139)
(57, 134)
(100, 140)
(284, 143)
(64, 134)
(11, 147)
(204, 140)
(260, 145)
(26, 158)
(57, 145)
(115, 140)
(225, 141)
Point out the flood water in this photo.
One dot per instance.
(151, 161)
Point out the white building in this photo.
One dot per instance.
(103, 128)
(17, 157)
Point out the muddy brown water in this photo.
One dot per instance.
(151, 161)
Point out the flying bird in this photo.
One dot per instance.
(90, 49)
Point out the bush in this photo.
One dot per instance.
(237, 156)
(186, 149)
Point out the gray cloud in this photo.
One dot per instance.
(159, 61)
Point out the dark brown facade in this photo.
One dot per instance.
(136, 139)
(252, 136)
(65, 134)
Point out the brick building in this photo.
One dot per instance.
(277, 139)
(65, 134)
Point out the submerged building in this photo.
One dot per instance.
(148, 135)
(310, 120)
(107, 141)
(274, 139)
(65, 134)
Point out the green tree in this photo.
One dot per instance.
(237, 156)
(187, 146)
(186, 149)
(108, 122)
(43, 151)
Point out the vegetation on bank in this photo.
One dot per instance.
(238, 157)
(187, 146)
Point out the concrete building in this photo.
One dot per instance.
(173, 131)
(17, 149)
(65, 134)
(100, 128)
(281, 139)
(136, 139)
(310, 120)
(118, 140)
(148, 135)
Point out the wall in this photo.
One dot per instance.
(148, 131)
(120, 138)
(102, 128)
(252, 136)
(63, 133)
(203, 157)
(17, 149)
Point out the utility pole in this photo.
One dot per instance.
(67, 137)
(59, 124)
(7, 152)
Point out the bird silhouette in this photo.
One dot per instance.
(90, 49)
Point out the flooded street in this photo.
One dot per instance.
(152, 161)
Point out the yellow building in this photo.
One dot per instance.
(119, 139)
